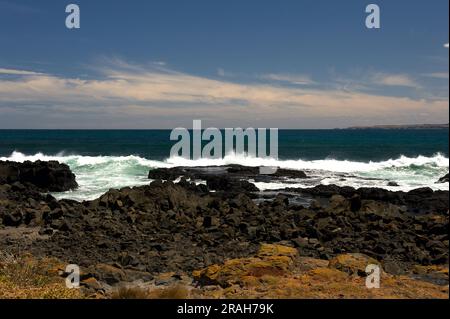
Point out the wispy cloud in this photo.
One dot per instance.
(289, 78)
(9, 6)
(18, 72)
(438, 75)
(221, 72)
(127, 93)
(394, 80)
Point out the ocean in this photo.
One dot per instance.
(104, 159)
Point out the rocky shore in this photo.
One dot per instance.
(169, 232)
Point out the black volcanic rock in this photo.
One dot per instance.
(230, 178)
(221, 183)
(168, 174)
(230, 171)
(395, 184)
(165, 226)
(444, 179)
(180, 227)
(421, 200)
(45, 176)
(289, 173)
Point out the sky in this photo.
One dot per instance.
(163, 63)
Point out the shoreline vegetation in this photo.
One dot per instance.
(224, 238)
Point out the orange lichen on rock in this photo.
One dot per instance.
(353, 264)
(278, 272)
(272, 260)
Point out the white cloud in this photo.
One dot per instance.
(394, 80)
(446, 45)
(438, 75)
(133, 93)
(289, 78)
(17, 72)
(221, 72)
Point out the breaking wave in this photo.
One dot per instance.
(97, 174)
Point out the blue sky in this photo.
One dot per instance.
(161, 64)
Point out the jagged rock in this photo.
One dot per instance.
(394, 184)
(422, 200)
(353, 264)
(267, 250)
(230, 177)
(338, 204)
(219, 183)
(91, 283)
(46, 176)
(109, 274)
(270, 260)
(12, 218)
(355, 203)
(179, 227)
(444, 179)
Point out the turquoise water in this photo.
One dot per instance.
(117, 158)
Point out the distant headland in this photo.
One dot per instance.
(401, 126)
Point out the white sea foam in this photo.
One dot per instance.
(343, 166)
(97, 174)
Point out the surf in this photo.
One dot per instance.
(98, 174)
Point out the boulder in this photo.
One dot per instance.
(339, 204)
(267, 250)
(272, 260)
(352, 264)
(221, 183)
(46, 176)
(443, 179)
(224, 178)
(108, 274)
(394, 184)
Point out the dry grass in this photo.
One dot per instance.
(29, 278)
(125, 292)
(172, 292)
